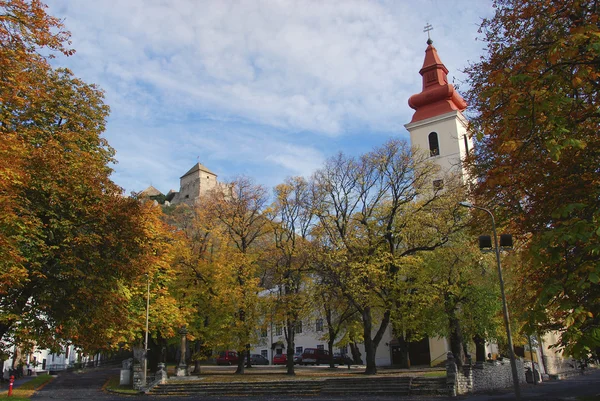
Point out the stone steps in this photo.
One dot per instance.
(429, 386)
(240, 388)
(399, 386)
(366, 386)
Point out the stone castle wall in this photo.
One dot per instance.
(480, 377)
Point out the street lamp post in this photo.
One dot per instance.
(145, 364)
(511, 352)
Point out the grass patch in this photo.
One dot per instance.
(113, 384)
(441, 373)
(26, 390)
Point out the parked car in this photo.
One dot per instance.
(298, 358)
(280, 359)
(315, 356)
(227, 358)
(257, 359)
(340, 359)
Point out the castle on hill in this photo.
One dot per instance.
(192, 185)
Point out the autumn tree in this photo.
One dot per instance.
(199, 262)
(239, 208)
(25, 31)
(70, 239)
(535, 99)
(374, 213)
(292, 220)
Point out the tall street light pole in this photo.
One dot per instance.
(145, 367)
(511, 351)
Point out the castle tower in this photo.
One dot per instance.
(195, 183)
(438, 126)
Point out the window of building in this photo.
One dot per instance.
(278, 330)
(263, 333)
(434, 145)
(299, 349)
(298, 328)
(279, 351)
(264, 353)
(466, 145)
(319, 325)
(438, 184)
(321, 346)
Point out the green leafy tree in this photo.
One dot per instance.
(452, 293)
(535, 99)
(374, 214)
(340, 316)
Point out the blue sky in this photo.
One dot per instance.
(266, 89)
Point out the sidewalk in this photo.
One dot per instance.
(566, 389)
(18, 382)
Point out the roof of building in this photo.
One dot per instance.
(198, 167)
(150, 191)
(437, 96)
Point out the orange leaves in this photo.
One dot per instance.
(25, 25)
(70, 243)
(537, 99)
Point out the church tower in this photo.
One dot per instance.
(438, 126)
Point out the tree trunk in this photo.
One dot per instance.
(332, 334)
(404, 352)
(291, 347)
(330, 348)
(241, 362)
(368, 341)
(355, 353)
(197, 349)
(248, 360)
(479, 348)
(456, 340)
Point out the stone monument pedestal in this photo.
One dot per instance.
(126, 369)
(182, 368)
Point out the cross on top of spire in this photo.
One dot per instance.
(428, 28)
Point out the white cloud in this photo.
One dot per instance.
(281, 66)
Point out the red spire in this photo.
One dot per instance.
(438, 96)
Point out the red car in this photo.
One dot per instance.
(227, 358)
(280, 359)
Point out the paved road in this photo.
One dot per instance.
(88, 386)
(78, 386)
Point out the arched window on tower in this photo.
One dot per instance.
(434, 145)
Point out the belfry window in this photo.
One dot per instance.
(434, 145)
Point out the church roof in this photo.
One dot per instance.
(198, 167)
(150, 191)
(437, 96)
